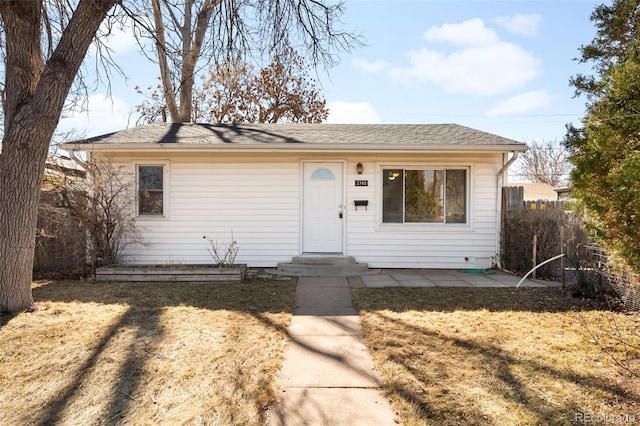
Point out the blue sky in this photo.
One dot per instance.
(498, 66)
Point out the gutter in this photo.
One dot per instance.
(324, 148)
(499, 183)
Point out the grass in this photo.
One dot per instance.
(152, 353)
(493, 356)
(169, 353)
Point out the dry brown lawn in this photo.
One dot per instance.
(144, 354)
(464, 356)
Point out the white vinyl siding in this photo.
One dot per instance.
(256, 202)
(257, 196)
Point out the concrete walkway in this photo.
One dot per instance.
(328, 376)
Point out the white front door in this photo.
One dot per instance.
(322, 210)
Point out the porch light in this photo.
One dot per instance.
(359, 168)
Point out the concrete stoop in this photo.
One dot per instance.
(323, 266)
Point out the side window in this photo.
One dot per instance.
(150, 190)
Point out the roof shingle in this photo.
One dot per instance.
(297, 135)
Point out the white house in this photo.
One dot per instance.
(393, 196)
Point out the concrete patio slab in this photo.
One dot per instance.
(378, 281)
(438, 278)
(416, 283)
(452, 284)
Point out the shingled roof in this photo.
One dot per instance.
(340, 137)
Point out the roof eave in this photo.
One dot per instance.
(395, 148)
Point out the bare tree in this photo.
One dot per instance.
(545, 162)
(219, 31)
(44, 46)
(103, 205)
(237, 93)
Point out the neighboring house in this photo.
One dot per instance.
(564, 193)
(396, 196)
(59, 168)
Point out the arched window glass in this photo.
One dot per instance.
(323, 174)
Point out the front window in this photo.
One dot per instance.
(150, 190)
(424, 196)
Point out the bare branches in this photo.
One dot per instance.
(103, 206)
(223, 254)
(236, 93)
(192, 32)
(545, 162)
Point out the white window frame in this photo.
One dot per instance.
(165, 189)
(427, 226)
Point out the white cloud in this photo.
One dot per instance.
(522, 103)
(495, 69)
(468, 33)
(352, 113)
(368, 66)
(523, 24)
(103, 115)
(479, 64)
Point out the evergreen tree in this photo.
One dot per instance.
(605, 151)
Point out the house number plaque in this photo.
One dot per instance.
(362, 183)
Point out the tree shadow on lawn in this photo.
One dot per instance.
(427, 364)
(146, 303)
(449, 299)
(435, 391)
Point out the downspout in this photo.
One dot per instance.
(72, 155)
(499, 183)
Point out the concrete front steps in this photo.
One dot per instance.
(323, 266)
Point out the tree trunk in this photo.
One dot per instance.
(165, 75)
(36, 93)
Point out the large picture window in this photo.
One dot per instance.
(151, 190)
(424, 195)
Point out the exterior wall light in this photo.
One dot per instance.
(359, 168)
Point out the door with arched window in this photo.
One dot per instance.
(322, 208)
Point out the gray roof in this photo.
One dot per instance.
(340, 137)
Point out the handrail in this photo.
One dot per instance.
(539, 265)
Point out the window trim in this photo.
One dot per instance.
(165, 189)
(427, 226)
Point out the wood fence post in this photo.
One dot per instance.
(534, 257)
(562, 251)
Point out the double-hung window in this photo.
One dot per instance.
(150, 190)
(424, 195)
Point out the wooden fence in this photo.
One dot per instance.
(513, 200)
(534, 231)
(61, 241)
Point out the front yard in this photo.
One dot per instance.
(169, 353)
(502, 356)
(152, 353)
